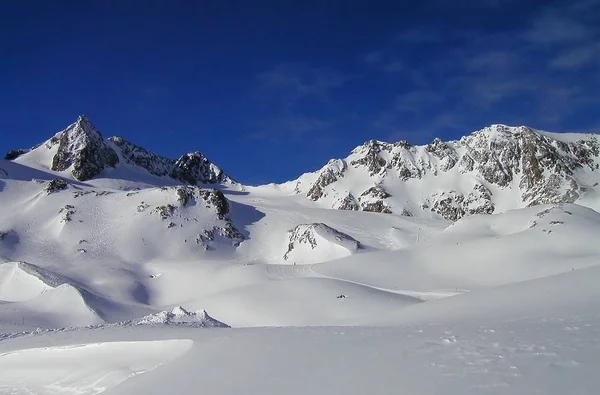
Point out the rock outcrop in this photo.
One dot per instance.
(317, 242)
(82, 150)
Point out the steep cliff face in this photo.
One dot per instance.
(493, 169)
(81, 150)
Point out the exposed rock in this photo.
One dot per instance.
(449, 205)
(66, 213)
(466, 164)
(211, 199)
(406, 213)
(329, 174)
(479, 201)
(165, 211)
(347, 203)
(82, 150)
(78, 194)
(319, 239)
(15, 153)
(138, 156)
(180, 317)
(373, 200)
(444, 152)
(377, 207)
(371, 159)
(55, 185)
(215, 198)
(194, 168)
(542, 168)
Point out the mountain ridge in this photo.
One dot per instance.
(491, 170)
(82, 152)
(472, 175)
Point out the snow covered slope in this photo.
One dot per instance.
(492, 170)
(467, 267)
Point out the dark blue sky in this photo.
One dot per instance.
(271, 89)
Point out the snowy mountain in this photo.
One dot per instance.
(81, 153)
(461, 267)
(492, 170)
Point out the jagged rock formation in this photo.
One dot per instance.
(373, 199)
(478, 174)
(317, 242)
(191, 168)
(138, 156)
(330, 174)
(15, 153)
(81, 150)
(347, 203)
(194, 168)
(212, 200)
(180, 317)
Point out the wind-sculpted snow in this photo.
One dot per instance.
(88, 369)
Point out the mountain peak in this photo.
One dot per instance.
(82, 150)
(193, 168)
(85, 126)
(499, 167)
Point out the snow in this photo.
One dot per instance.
(314, 243)
(16, 285)
(115, 299)
(180, 316)
(53, 370)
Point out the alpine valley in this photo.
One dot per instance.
(458, 267)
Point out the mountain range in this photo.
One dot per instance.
(495, 169)
(460, 267)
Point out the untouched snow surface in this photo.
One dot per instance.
(124, 285)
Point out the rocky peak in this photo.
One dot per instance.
(369, 156)
(82, 149)
(194, 168)
(332, 172)
(464, 177)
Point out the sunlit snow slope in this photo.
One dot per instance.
(461, 267)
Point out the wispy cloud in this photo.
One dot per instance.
(294, 96)
(575, 58)
(290, 127)
(288, 83)
(374, 57)
(542, 71)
